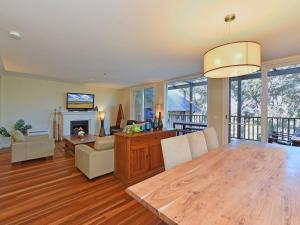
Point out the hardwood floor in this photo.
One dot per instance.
(53, 191)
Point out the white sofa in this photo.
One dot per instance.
(32, 148)
(97, 161)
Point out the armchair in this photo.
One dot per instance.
(96, 161)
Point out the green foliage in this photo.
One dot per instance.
(21, 126)
(134, 128)
(251, 97)
(283, 96)
(4, 132)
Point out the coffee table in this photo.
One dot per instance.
(72, 141)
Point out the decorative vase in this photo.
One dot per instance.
(155, 123)
(148, 124)
(160, 122)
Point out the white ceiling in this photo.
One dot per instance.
(136, 41)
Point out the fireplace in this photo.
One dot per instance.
(79, 125)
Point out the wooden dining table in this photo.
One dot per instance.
(241, 184)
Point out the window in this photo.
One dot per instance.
(187, 101)
(143, 103)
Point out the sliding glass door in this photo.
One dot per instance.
(245, 107)
(265, 106)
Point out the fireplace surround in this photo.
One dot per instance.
(91, 117)
(77, 125)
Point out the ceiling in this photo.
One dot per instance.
(122, 43)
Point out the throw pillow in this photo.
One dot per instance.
(18, 136)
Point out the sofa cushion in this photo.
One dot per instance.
(18, 136)
(104, 143)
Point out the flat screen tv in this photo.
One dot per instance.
(79, 101)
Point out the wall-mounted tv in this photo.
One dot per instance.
(79, 101)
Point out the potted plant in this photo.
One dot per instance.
(5, 139)
(21, 126)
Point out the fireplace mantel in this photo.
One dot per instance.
(76, 116)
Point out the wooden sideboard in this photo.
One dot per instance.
(139, 156)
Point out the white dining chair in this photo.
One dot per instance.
(211, 138)
(176, 150)
(197, 143)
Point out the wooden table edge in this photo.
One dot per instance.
(141, 201)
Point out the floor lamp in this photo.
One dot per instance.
(102, 117)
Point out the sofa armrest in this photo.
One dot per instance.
(94, 163)
(18, 151)
(101, 162)
(82, 157)
(38, 138)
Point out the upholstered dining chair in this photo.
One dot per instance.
(176, 150)
(197, 143)
(211, 138)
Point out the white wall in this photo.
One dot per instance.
(125, 101)
(33, 100)
(1, 99)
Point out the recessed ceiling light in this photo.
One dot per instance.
(15, 35)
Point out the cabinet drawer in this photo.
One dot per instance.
(141, 140)
(169, 134)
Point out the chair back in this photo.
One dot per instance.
(211, 138)
(176, 150)
(197, 143)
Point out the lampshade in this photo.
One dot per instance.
(232, 59)
(102, 115)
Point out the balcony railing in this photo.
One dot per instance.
(245, 127)
(176, 117)
(249, 128)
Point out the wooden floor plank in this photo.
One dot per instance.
(53, 191)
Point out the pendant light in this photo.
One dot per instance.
(232, 59)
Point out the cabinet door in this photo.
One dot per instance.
(139, 160)
(156, 156)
